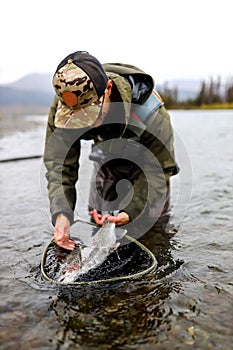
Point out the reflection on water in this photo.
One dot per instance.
(186, 303)
(127, 314)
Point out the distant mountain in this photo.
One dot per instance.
(10, 96)
(34, 92)
(36, 81)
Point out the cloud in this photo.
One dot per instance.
(166, 38)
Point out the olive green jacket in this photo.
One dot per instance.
(62, 146)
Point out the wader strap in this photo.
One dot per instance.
(140, 114)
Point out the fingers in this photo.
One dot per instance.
(113, 219)
(99, 219)
(62, 233)
(66, 244)
(63, 240)
(105, 217)
(121, 219)
(73, 267)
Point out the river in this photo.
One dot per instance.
(187, 303)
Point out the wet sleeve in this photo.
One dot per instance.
(61, 159)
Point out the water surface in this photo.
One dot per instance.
(186, 303)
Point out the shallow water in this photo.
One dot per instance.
(186, 303)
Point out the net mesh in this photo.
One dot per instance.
(129, 260)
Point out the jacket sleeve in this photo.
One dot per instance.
(152, 186)
(61, 155)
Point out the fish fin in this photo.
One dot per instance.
(73, 267)
(116, 245)
(120, 233)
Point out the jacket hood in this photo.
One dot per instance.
(134, 85)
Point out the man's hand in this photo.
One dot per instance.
(62, 233)
(121, 219)
(99, 219)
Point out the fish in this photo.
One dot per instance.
(74, 259)
(85, 258)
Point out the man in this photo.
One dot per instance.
(115, 106)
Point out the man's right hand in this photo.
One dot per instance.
(62, 233)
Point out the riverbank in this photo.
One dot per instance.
(19, 111)
(214, 106)
(217, 106)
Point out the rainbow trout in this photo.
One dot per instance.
(82, 260)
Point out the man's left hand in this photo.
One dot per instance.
(121, 219)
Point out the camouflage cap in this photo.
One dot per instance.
(79, 82)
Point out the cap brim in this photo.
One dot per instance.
(68, 118)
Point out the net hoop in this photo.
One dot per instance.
(109, 280)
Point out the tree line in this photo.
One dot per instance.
(212, 92)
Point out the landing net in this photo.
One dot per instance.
(129, 261)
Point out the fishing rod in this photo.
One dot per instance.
(19, 158)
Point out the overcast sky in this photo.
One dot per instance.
(167, 38)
